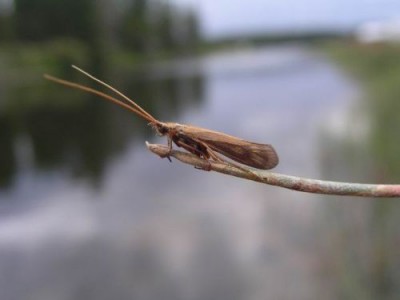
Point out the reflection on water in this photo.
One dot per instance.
(83, 137)
(150, 229)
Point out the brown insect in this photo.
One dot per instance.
(202, 142)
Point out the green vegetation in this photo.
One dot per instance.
(107, 38)
(47, 36)
(377, 66)
(45, 32)
(377, 69)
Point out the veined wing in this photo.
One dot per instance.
(260, 156)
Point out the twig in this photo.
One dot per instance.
(285, 181)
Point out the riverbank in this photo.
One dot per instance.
(377, 69)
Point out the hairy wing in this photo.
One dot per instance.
(260, 156)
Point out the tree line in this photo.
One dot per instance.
(141, 26)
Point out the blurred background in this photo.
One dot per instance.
(86, 212)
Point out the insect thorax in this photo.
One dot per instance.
(161, 129)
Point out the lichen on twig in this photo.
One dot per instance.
(286, 181)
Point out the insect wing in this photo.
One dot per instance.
(260, 156)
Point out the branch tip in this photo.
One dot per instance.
(286, 181)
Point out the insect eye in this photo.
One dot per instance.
(162, 130)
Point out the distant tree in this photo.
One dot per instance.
(134, 28)
(154, 26)
(166, 27)
(44, 20)
(186, 33)
(178, 30)
(6, 29)
(38, 20)
(193, 31)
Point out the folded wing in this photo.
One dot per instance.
(260, 156)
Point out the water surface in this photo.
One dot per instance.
(88, 213)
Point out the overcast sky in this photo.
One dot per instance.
(232, 17)
(227, 17)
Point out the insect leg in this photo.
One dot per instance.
(169, 143)
(169, 147)
(197, 148)
(218, 158)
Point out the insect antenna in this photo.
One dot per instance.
(114, 90)
(141, 113)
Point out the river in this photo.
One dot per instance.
(88, 213)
